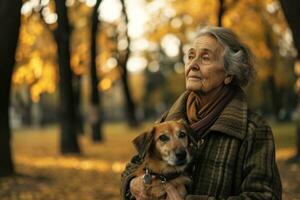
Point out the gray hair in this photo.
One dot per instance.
(238, 59)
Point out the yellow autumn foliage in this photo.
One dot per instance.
(260, 24)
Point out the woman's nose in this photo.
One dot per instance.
(194, 67)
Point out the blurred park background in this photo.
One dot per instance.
(80, 78)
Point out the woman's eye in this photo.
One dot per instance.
(205, 57)
(164, 138)
(190, 57)
(181, 134)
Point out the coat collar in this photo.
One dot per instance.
(232, 120)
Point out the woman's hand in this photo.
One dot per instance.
(141, 192)
(172, 192)
(137, 188)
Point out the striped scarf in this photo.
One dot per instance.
(202, 116)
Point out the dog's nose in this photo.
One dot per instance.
(181, 155)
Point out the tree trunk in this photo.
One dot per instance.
(9, 23)
(27, 108)
(221, 12)
(95, 95)
(68, 140)
(292, 14)
(276, 100)
(123, 58)
(77, 94)
(275, 107)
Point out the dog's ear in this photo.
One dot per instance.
(185, 124)
(190, 133)
(143, 142)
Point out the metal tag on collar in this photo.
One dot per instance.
(163, 180)
(200, 142)
(147, 177)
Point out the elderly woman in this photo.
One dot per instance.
(236, 154)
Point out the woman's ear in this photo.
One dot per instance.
(228, 79)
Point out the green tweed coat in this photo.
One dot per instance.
(236, 158)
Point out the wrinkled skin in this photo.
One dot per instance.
(204, 68)
(205, 74)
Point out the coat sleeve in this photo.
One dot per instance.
(127, 176)
(131, 167)
(260, 179)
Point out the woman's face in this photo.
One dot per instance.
(204, 68)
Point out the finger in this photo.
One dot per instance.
(144, 197)
(159, 191)
(136, 186)
(169, 187)
(172, 192)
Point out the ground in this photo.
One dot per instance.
(43, 174)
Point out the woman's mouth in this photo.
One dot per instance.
(193, 78)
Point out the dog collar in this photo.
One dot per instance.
(162, 177)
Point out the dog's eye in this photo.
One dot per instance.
(164, 138)
(181, 134)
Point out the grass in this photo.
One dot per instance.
(95, 175)
(45, 174)
(284, 134)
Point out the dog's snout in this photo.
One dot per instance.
(181, 155)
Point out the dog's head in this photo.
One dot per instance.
(167, 141)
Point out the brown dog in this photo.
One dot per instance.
(166, 154)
